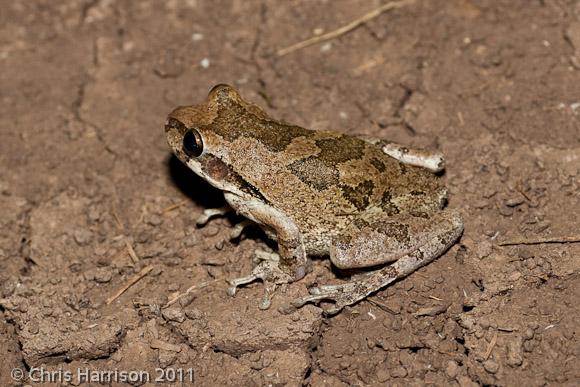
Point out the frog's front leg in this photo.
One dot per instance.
(421, 240)
(433, 161)
(292, 262)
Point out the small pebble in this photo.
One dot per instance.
(529, 345)
(210, 230)
(103, 275)
(194, 314)
(465, 381)
(382, 375)
(514, 202)
(506, 211)
(196, 36)
(82, 236)
(480, 204)
(190, 240)
(94, 214)
(32, 327)
(186, 299)
(483, 249)
(398, 372)
(325, 47)
(397, 324)
(452, 369)
(154, 220)
(515, 356)
(491, 366)
(173, 314)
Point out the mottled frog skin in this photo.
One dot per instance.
(364, 202)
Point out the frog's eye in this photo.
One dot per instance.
(192, 143)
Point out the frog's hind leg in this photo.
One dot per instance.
(433, 161)
(443, 230)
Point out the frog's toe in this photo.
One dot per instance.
(342, 295)
(210, 213)
(237, 282)
(269, 289)
(239, 228)
(270, 273)
(261, 255)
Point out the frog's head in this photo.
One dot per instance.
(198, 135)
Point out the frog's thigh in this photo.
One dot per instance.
(433, 161)
(290, 246)
(367, 243)
(446, 233)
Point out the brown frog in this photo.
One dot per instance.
(363, 202)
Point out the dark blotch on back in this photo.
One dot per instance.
(315, 173)
(387, 204)
(359, 195)
(234, 121)
(378, 164)
(399, 231)
(320, 171)
(340, 149)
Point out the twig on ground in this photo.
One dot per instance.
(132, 281)
(189, 290)
(490, 346)
(382, 306)
(539, 241)
(131, 251)
(344, 29)
(174, 206)
(117, 219)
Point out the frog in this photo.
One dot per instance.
(376, 208)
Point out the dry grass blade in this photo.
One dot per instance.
(189, 290)
(344, 29)
(132, 281)
(131, 252)
(490, 346)
(539, 241)
(174, 206)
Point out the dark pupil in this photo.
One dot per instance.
(192, 145)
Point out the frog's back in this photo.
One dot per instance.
(316, 176)
(356, 174)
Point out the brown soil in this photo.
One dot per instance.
(85, 171)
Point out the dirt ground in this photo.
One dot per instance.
(90, 197)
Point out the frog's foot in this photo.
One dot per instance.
(261, 255)
(210, 213)
(342, 295)
(433, 161)
(239, 228)
(270, 273)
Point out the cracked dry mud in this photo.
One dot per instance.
(85, 172)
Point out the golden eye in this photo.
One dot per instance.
(192, 143)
